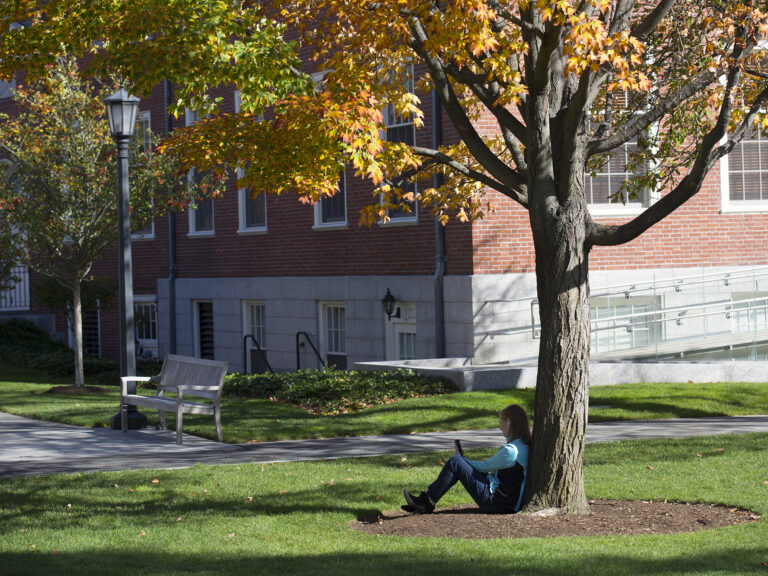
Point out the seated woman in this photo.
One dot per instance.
(496, 484)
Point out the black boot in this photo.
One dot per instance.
(420, 504)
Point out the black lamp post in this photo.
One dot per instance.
(121, 112)
(389, 302)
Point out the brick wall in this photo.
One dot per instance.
(697, 234)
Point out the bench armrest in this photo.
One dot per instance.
(200, 391)
(125, 379)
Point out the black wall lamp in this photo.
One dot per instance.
(389, 306)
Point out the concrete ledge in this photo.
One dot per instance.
(470, 377)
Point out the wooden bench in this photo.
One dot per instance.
(185, 377)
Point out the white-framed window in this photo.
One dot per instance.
(201, 217)
(144, 135)
(203, 329)
(251, 209)
(332, 212)
(605, 188)
(145, 323)
(400, 128)
(744, 175)
(255, 332)
(333, 333)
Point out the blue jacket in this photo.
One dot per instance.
(509, 456)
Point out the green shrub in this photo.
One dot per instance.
(25, 345)
(336, 391)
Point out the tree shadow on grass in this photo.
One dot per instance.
(425, 560)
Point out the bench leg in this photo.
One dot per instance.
(161, 415)
(217, 418)
(123, 416)
(179, 423)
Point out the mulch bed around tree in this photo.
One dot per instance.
(74, 390)
(607, 517)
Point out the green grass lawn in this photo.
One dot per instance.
(295, 518)
(23, 392)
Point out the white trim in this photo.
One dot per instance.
(190, 117)
(242, 228)
(140, 236)
(246, 330)
(323, 307)
(318, 209)
(193, 232)
(728, 206)
(616, 209)
(148, 344)
(242, 206)
(398, 122)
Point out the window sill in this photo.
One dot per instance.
(746, 208)
(619, 211)
(142, 237)
(331, 226)
(251, 231)
(201, 234)
(399, 222)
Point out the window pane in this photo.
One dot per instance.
(336, 332)
(204, 216)
(751, 151)
(748, 169)
(334, 209)
(601, 189)
(256, 211)
(752, 183)
(407, 344)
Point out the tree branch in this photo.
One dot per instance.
(464, 126)
(601, 235)
(435, 157)
(650, 22)
(638, 124)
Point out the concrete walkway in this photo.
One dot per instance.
(30, 447)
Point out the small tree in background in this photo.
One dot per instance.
(59, 188)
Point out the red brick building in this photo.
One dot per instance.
(211, 282)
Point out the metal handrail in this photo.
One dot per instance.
(679, 320)
(657, 314)
(674, 283)
(312, 345)
(678, 283)
(259, 348)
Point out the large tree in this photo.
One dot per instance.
(566, 84)
(58, 188)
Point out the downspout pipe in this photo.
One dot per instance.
(172, 267)
(440, 257)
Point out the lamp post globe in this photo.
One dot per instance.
(121, 113)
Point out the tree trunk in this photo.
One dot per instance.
(77, 328)
(556, 478)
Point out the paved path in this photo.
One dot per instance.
(30, 447)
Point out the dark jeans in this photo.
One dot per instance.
(457, 469)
